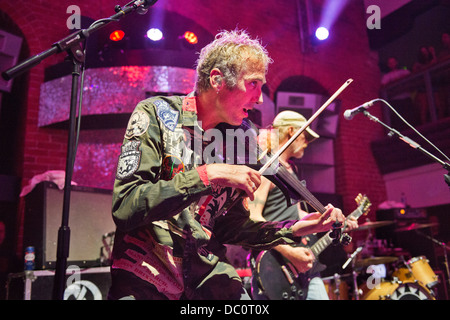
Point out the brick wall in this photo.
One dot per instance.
(345, 55)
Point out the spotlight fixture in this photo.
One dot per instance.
(322, 33)
(154, 34)
(117, 35)
(190, 37)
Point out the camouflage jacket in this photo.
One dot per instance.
(169, 234)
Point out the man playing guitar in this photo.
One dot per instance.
(270, 204)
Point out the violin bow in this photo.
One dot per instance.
(237, 195)
(303, 128)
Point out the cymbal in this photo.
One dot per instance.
(375, 260)
(414, 226)
(371, 225)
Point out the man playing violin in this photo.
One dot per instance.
(168, 198)
(270, 205)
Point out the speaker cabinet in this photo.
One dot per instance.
(85, 284)
(307, 104)
(318, 163)
(89, 219)
(9, 54)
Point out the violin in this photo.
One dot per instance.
(289, 185)
(295, 189)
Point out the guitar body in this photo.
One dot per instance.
(308, 242)
(278, 279)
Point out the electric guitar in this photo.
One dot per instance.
(278, 278)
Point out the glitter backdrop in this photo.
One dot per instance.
(114, 90)
(111, 90)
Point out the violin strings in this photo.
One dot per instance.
(288, 177)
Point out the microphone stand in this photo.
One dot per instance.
(445, 165)
(412, 144)
(354, 274)
(445, 249)
(72, 45)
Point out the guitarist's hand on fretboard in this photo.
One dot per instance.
(278, 277)
(318, 222)
(351, 223)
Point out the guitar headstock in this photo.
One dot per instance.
(363, 203)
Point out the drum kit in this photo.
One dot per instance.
(387, 276)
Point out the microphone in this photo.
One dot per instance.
(350, 113)
(358, 250)
(143, 5)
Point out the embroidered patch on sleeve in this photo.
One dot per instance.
(137, 125)
(129, 159)
(171, 166)
(167, 115)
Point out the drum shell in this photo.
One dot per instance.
(403, 274)
(422, 271)
(397, 290)
(330, 286)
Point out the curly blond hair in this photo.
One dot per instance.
(230, 52)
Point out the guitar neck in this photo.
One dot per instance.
(293, 181)
(321, 244)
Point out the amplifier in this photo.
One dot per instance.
(401, 213)
(398, 236)
(81, 284)
(90, 220)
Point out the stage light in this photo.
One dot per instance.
(154, 34)
(117, 35)
(322, 33)
(190, 37)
